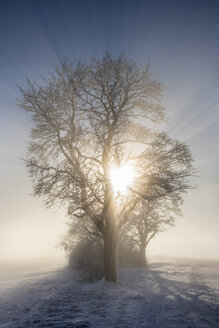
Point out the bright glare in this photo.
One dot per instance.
(121, 178)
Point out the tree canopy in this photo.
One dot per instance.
(90, 117)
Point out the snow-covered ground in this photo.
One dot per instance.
(170, 293)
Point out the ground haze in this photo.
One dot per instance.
(170, 293)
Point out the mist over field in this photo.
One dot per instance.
(171, 293)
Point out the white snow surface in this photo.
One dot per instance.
(169, 293)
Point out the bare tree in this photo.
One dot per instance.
(86, 119)
(84, 246)
(149, 219)
(79, 230)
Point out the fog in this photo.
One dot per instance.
(29, 230)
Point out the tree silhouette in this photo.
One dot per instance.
(89, 117)
(149, 219)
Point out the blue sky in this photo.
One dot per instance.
(181, 40)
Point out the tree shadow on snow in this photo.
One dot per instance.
(147, 298)
(169, 302)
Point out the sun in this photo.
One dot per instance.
(121, 178)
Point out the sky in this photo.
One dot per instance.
(181, 41)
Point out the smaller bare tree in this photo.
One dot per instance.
(83, 245)
(149, 219)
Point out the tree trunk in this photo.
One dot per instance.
(110, 240)
(142, 256)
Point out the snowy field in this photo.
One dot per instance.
(170, 293)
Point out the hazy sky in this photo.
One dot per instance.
(181, 39)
